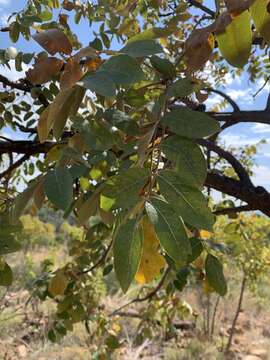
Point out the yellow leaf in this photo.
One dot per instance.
(235, 42)
(151, 262)
(204, 234)
(58, 284)
(44, 126)
(261, 17)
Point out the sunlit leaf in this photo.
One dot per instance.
(170, 230)
(235, 42)
(190, 124)
(151, 261)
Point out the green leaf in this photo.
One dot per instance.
(14, 31)
(261, 17)
(58, 186)
(188, 159)
(142, 48)
(214, 275)
(180, 88)
(127, 252)
(190, 124)
(150, 34)
(8, 235)
(188, 201)
(122, 121)
(235, 42)
(100, 83)
(123, 70)
(196, 248)
(163, 66)
(170, 230)
(6, 275)
(125, 188)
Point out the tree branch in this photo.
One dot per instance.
(237, 166)
(233, 210)
(202, 7)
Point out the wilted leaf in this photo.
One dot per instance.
(22, 200)
(199, 48)
(58, 186)
(151, 261)
(190, 124)
(58, 284)
(214, 275)
(170, 230)
(44, 126)
(88, 208)
(72, 73)
(127, 252)
(65, 104)
(44, 69)
(53, 41)
(235, 42)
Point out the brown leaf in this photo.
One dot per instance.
(77, 142)
(199, 48)
(72, 74)
(87, 52)
(53, 41)
(39, 195)
(44, 125)
(93, 64)
(236, 7)
(68, 5)
(44, 69)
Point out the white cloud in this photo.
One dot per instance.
(240, 94)
(239, 140)
(261, 128)
(261, 176)
(13, 74)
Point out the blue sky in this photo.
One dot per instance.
(239, 89)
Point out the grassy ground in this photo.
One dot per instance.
(24, 323)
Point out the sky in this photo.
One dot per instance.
(239, 89)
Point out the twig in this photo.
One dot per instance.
(14, 166)
(149, 296)
(202, 7)
(99, 262)
(238, 310)
(233, 210)
(226, 97)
